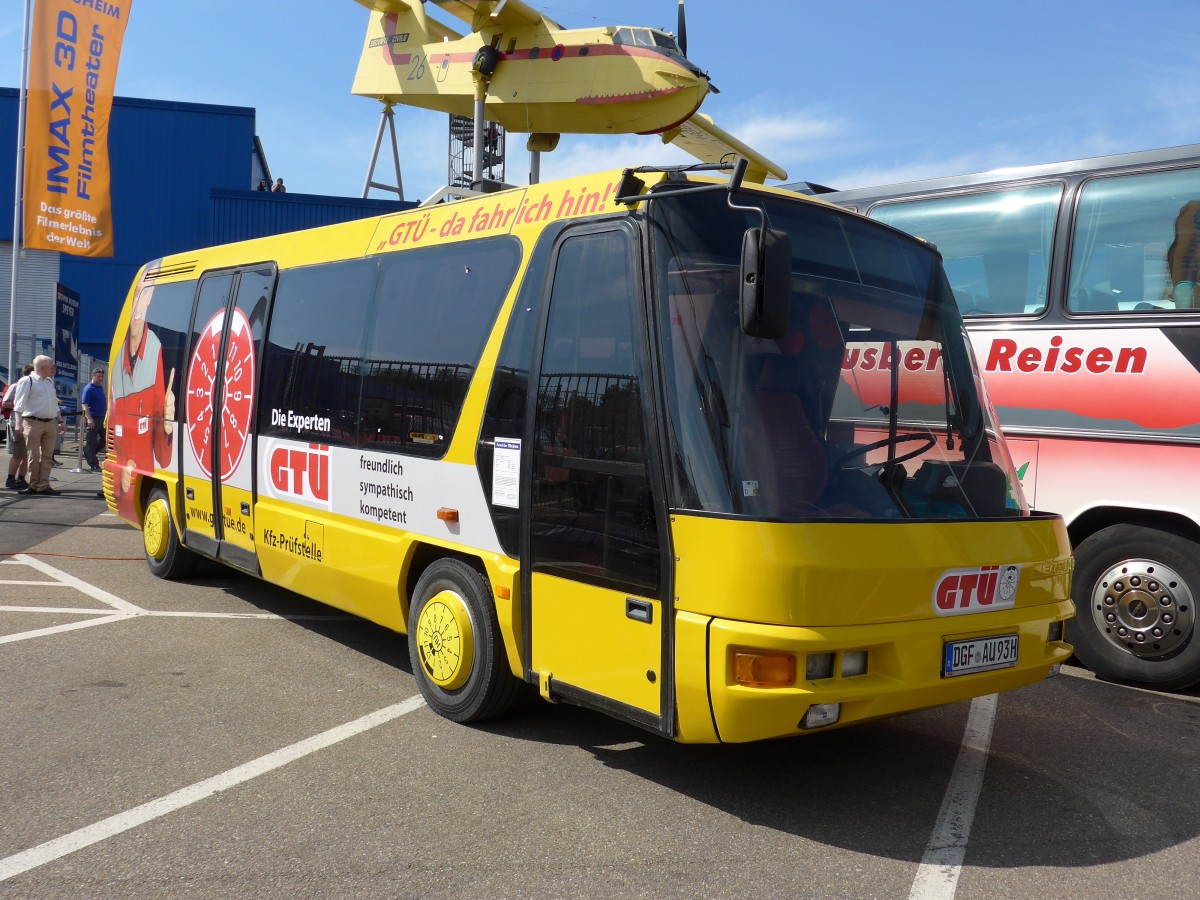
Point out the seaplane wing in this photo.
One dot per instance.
(705, 140)
(481, 14)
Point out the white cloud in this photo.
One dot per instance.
(583, 154)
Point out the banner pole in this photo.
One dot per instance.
(18, 193)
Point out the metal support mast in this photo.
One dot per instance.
(388, 118)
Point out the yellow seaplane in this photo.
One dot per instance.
(527, 73)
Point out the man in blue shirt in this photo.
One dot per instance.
(95, 405)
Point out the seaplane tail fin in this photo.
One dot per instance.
(708, 142)
(410, 20)
(396, 31)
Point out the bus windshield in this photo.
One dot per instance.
(869, 407)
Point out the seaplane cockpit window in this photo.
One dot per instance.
(665, 41)
(623, 36)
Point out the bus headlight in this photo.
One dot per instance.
(854, 662)
(818, 665)
(821, 714)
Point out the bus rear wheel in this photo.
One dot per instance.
(165, 555)
(1135, 591)
(455, 646)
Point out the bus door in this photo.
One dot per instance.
(598, 625)
(218, 388)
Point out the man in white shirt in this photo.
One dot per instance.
(37, 403)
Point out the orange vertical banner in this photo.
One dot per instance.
(76, 45)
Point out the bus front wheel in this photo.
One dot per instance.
(455, 646)
(1135, 590)
(165, 555)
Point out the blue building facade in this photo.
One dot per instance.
(183, 177)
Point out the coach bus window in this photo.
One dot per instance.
(995, 245)
(1137, 244)
(593, 517)
(310, 381)
(434, 311)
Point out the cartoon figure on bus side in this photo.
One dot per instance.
(1183, 257)
(143, 405)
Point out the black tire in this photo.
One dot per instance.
(1135, 590)
(165, 555)
(455, 646)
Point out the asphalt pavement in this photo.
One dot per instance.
(220, 737)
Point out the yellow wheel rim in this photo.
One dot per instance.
(446, 640)
(156, 529)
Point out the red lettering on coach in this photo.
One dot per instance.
(1005, 355)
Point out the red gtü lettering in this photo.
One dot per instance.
(302, 473)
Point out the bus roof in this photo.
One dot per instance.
(520, 211)
(1085, 166)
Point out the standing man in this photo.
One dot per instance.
(37, 403)
(94, 407)
(19, 464)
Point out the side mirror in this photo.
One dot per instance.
(766, 289)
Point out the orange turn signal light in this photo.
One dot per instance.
(446, 514)
(763, 668)
(503, 593)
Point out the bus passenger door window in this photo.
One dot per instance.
(597, 616)
(195, 386)
(218, 385)
(234, 457)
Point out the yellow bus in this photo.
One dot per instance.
(707, 456)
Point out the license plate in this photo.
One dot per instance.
(979, 655)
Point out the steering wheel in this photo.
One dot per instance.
(927, 441)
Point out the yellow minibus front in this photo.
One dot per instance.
(708, 457)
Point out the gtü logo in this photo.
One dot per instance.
(963, 591)
(301, 472)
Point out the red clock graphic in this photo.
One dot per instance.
(237, 393)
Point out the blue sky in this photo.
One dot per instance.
(846, 93)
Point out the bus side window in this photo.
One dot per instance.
(995, 244)
(434, 311)
(1137, 243)
(313, 350)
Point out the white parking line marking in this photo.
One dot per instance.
(152, 613)
(124, 608)
(59, 610)
(70, 626)
(937, 876)
(82, 586)
(140, 815)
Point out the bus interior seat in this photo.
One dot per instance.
(1089, 300)
(785, 454)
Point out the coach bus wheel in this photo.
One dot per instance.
(166, 557)
(455, 646)
(1135, 592)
